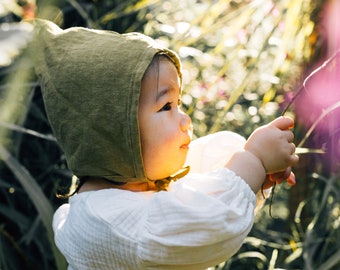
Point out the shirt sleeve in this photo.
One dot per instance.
(201, 221)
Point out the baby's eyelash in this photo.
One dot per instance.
(166, 107)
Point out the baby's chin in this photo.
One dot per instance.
(170, 170)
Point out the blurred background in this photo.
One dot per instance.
(244, 62)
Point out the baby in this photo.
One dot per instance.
(113, 102)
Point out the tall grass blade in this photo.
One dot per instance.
(37, 197)
(27, 131)
(331, 262)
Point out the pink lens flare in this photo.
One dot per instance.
(321, 90)
(317, 109)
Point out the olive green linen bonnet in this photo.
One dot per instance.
(91, 81)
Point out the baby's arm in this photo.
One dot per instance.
(268, 150)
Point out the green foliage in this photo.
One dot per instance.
(240, 61)
(313, 245)
(239, 57)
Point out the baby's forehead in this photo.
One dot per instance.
(162, 65)
(161, 78)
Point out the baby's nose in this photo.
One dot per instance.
(186, 123)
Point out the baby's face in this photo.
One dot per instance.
(165, 129)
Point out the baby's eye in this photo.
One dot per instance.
(166, 107)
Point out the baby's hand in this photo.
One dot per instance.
(273, 145)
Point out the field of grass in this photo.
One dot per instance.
(243, 61)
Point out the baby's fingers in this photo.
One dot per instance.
(279, 177)
(291, 179)
(288, 135)
(293, 159)
(283, 123)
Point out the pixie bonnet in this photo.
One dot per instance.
(91, 82)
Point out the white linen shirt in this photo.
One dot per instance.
(199, 222)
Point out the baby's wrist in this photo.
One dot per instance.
(254, 159)
(249, 167)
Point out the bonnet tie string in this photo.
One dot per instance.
(163, 184)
